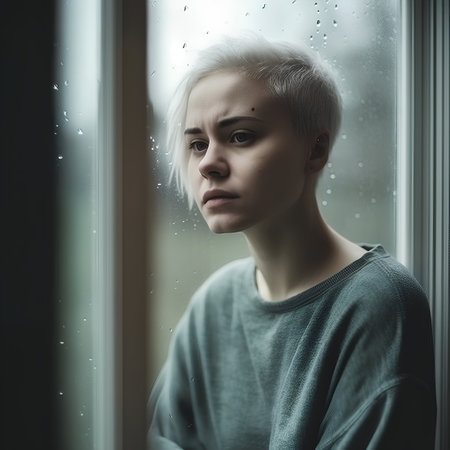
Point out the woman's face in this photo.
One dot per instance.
(246, 163)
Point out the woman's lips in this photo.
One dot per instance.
(217, 197)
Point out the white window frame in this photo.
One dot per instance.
(424, 171)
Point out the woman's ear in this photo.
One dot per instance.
(318, 156)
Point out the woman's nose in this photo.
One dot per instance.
(213, 163)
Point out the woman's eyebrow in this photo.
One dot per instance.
(192, 131)
(222, 123)
(232, 120)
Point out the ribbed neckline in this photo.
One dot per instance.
(373, 253)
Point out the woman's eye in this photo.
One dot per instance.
(242, 137)
(198, 146)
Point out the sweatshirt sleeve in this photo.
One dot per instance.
(383, 394)
(170, 404)
(400, 416)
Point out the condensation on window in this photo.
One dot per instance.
(357, 189)
(75, 92)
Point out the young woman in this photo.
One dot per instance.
(313, 341)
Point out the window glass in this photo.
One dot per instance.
(75, 91)
(357, 189)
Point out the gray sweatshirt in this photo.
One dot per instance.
(347, 364)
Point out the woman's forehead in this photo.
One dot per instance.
(226, 94)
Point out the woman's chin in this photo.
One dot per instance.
(220, 226)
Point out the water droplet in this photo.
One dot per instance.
(66, 116)
(60, 157)
(333, 176)
(324, 203)
(335, 6)
(153, 73)
(61, 342)
(56, 87)
(360, 164)
(264, 6)
(185, 8)
(344, 136)
(318, 23)
(66, 83)
(81, 414)
(80, 132)
(170, 330)
(84, 318)
(184, 45)
(357, 216)
(325, 37)
(61, 393)
(373, 200)
(328, 191)
(311, 37)
(334, 23)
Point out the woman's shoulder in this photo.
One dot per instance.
(222, 284)
(383, 286)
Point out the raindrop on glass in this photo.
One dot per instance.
(357, 216)
(318, 23)
(324, 203)
(80, 132)
(334, 23)
(60, 157)
(344, 136)
(66, 83)
(56, 87)
(66, 116)
(333, 176)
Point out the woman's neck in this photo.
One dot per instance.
(294, 254)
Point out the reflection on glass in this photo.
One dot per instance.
(357, 189)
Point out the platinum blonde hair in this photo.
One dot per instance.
(294, 73)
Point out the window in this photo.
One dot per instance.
(394, 143)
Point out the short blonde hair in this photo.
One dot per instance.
(294, 73)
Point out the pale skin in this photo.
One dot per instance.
(249, 171)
